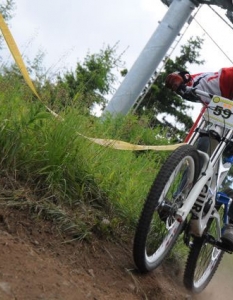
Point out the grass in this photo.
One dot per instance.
(71, 180)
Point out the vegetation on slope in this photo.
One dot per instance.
(47, 165)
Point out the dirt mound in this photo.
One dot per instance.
(38, 262)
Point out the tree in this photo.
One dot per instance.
(6, 9)
(160, 100)
(93, 79)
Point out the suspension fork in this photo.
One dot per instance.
(208, 168)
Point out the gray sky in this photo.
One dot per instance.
(67, 30)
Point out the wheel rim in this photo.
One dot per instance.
(165, 244)
(164, 227)
(206, 262)
(208, 258)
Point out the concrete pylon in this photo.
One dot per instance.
(144, 67)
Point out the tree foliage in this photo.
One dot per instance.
(92, 79)
(161, 100)
(6, 9)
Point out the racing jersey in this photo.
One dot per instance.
(217, 83)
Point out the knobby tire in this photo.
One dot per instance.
(152, 210)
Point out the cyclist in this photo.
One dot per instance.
(217, 83)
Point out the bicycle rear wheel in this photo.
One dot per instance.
(203, 260)
(157, 228)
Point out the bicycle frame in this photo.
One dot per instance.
(204, 194)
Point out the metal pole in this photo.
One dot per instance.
(144, 67)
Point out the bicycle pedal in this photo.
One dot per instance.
(223, 246)
(218, 244)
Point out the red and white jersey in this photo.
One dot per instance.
(217, 83)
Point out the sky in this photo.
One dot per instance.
(67, 30)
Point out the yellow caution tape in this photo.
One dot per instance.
(16, 54)
(120, 145)
(18, 59)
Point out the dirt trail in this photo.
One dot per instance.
(37, 262)
(221, 286)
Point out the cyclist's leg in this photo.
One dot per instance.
(203, 144)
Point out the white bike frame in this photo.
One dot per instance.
(213, 170)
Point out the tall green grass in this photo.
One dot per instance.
(74, 181)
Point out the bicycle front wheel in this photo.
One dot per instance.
(158, 229)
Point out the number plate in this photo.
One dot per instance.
(220, 112)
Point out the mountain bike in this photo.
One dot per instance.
(186, 199)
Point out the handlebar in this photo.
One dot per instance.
(192, 93)
(198, 92)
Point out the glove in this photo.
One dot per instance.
(174, 81)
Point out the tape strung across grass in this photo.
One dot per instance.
(119, 145)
